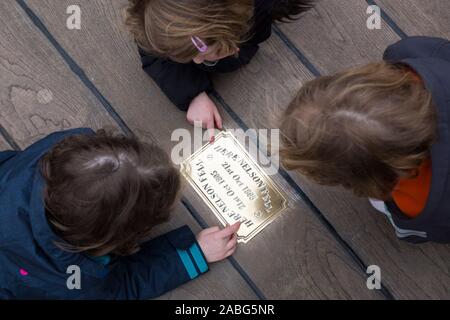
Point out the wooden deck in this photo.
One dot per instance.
(53, 78)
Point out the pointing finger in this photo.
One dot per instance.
(230, 230)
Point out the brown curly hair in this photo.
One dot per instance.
(104, 193)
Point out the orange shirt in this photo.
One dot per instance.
(411, 195)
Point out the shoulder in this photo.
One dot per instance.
(418, 47)
(267, 5)
(288, 10)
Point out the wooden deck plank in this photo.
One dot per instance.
(37, 93)
(4, 146)
(29, 65)
(303, 260)
(260, 103)
(420, 18)
(408, 271)
(335, 35)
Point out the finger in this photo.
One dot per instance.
(190, 120)
(211, 130)
(228, 231)
(208, 124)
(217, 119)
(230, 252)
(232, 242)
(211, 230)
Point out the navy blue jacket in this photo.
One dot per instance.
(33, 267)
(430, 58)
(182, 82)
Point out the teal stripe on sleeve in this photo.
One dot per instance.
(190, 268)
(199, 259)
(104, 260)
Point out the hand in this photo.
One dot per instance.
(218, 244)
(203, 109)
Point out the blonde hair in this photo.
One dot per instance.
(363, 128)
(165, 27)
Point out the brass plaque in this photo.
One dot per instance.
(234, 186)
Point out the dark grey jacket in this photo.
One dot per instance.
(430, 58)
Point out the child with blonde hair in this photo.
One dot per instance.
(182, 42)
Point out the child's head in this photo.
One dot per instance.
(104, 193)
(363, 128)
(168, 28)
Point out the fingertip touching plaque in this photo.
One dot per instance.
(234, 186)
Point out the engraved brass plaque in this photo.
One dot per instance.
(234, 186)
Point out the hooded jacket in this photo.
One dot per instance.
(33, 267)
(430, 58)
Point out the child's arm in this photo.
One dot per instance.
(289, 10)
(6, 294)
(167, 262)
(418, 47)
(6, 155)
(162, 264)
(180, 82)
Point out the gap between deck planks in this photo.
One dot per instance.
(4, 146)
(28, 65)
(418, 17)
(301, 259)
(335, 37)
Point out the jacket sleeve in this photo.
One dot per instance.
(418, 47)
(6, 155)
(6, 294)
(161, 265)
(181, 83)
(289, 10)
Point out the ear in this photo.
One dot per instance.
(198, 59)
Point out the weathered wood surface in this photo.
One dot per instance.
(301, 259)
(420, 18)
(335, 36)
(39, 95)
(408, 271)
(4, 146)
